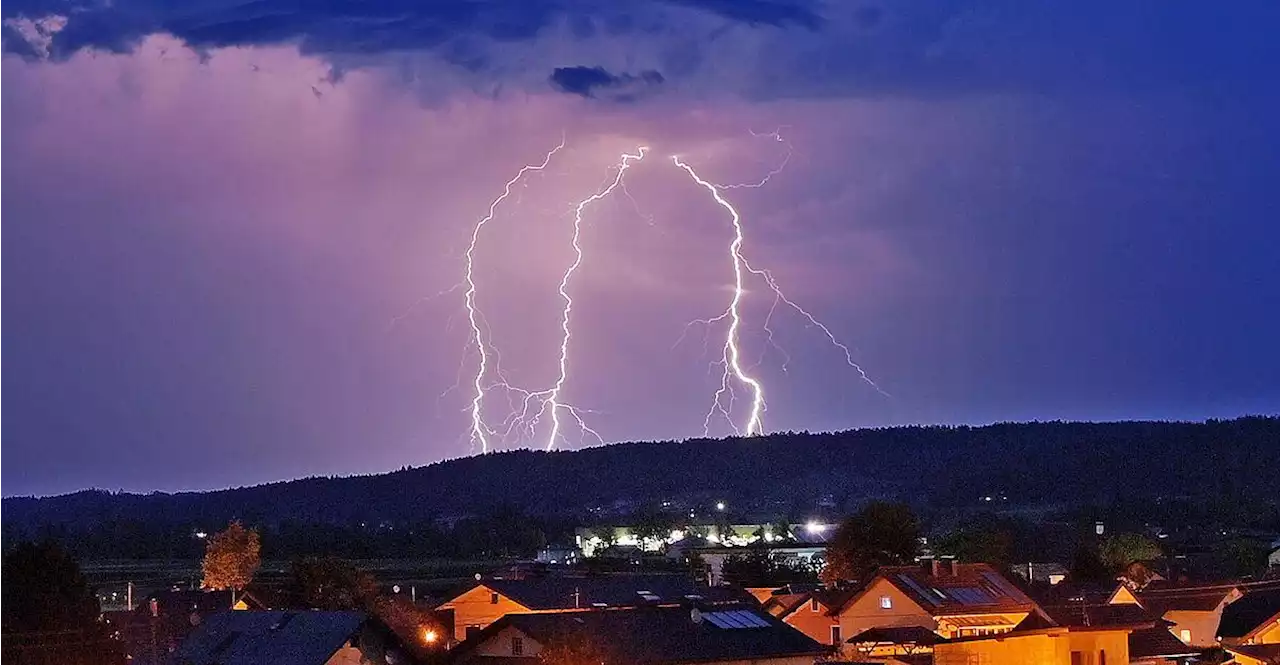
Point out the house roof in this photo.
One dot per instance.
(1267, 653)
(896, 635)
(1255, 609)
(969, 588)
(561, 593)
(655, 635)
(1157, 641)
(831, 599)
(1186, 599)
(1099, 614)
(282, 638)
(784, 604)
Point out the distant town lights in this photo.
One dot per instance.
(720, 506)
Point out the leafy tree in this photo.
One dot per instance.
(1087, 566)
(1122, 549)
(328, 583)
(653, 526)
(759, 567)
(231, 558)
(880, 534)
(982, 540)
(573, 649)
(50, 614)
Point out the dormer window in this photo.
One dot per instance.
(493, 597)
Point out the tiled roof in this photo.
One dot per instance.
(784, 604)
(549, 593)
(654, 635)
(1157, 641)
(971, 587)
(896, 635)
(282, 638)
(1267, 653)
(1126, 614)
(1253, 610)
(1194, 599)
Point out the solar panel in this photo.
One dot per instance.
(736, 619)
(905, 579)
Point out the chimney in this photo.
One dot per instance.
(954, 565)
(929, 565)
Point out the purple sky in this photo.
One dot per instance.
(217, 244)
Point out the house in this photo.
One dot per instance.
(1150, 640)
(163, 620)
(949, 598)
(815, 613)
(671, 635)
(305, 637)
(1254, 619)
(1255, 654)
(490, 600)
(1193, 611)
(1038, 644)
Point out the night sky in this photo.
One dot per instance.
(225, 224)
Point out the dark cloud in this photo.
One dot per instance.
(597, 81)
(765, 49)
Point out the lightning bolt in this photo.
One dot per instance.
(552, 404)
(479, 431)
(776, 135)
(732, 355)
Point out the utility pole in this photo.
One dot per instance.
(128, 596)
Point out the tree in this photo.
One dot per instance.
(878, 535)
(231, 558)
(50, 614)
(982, 540)
(328, 583)
(761, 568)
(1087, 566)
(573, 649)
(1122, 549)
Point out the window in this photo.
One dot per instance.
(813, 604)
(493, 598)
(1186, 635)
(886, 603)
(835, 635)
(517, 646)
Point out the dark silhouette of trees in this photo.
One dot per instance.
(329, 583)
(880, 534)
(758, 567)
(50, 614)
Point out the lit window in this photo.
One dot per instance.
(493, 598)
(813, 604)
(517, 646)
(886, 603)
(1186, 635)
(835, 635)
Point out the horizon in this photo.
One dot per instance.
(690, 441)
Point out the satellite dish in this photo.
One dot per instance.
(695, 615)
(395, 589)
(479, 577)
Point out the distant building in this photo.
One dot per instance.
(674, 635)
(591, 540)
(559, 555)
(1040, 643)
(1044, 573)
(492, 599)
(305, 637)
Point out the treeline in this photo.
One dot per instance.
(1225, 465)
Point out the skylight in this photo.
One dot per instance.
(735, 619)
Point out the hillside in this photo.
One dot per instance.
(1028, 462)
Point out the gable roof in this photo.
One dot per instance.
(1255, 610)
(565, 593)
(966, 588)
(832, 601)
(1099, 614)
(655, 635)
(1266, 653)
(896, 635)
(1184, 599)
(282, 638)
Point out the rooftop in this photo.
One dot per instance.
(958, 588)
(281, 638)
(562, 592)
(1247, 614)
(654, 635)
